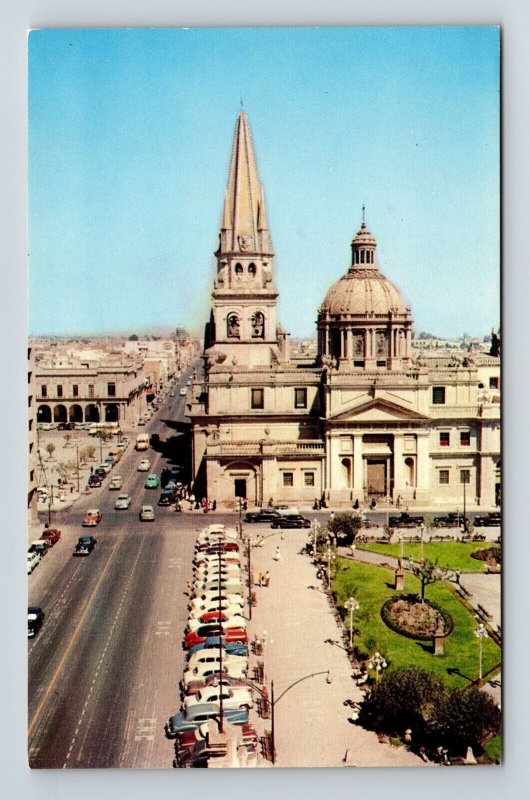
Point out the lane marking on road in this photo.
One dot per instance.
(72, 642)
(163, 628)
(145, 729)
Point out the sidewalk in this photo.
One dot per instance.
(312, 727)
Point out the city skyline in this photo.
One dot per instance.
(119, 120)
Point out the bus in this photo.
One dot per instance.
(142, 441)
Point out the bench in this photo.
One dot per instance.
(483, 613)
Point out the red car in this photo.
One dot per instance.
(214, 629)
(224, 547)
(226, 557)
(92, 517)
(51, 535)
(187, 739)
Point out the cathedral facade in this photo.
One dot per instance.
(370, 417)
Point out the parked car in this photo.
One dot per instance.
(215, 679)
(51, 535)
(106, 467)
(493, 519)
(207, 617)
(262, 515)
(166, 498)
(215, 642)
(66, 426)
(147, 514)
(183, 392)
(202, 713)
(144, 465)
(39, 546)
(101, 472)
(46, 426)
(94, 481)
(151, 482)
(233, 666)
(405, 520)
(222, 546)
(92, 518)
(33, 560)
(122, 503)
(35, 620)
(215, 629)
(232, 605)
(141, 422)
(291, 521)
(450, 521)
(116, 483)
(232, 698)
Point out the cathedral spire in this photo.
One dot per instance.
(244, 219)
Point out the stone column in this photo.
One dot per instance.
(349, 344)
(358, 466)
(399, 466)
(422, 467)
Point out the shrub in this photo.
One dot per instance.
(466, 717)
(345, 524)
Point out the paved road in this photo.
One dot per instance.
(104, 670)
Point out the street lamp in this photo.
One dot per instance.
(330, 556)
(351, 605)
(315, 529)
(377, 662)
(481, 633)
(400, 537)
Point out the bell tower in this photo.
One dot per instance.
(242, 327)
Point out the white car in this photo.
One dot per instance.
(233, 698)
(212, 595)
(225, 568)
(183, 392)
(226, 557)
(33, 560)
(144, 465)
(116, 482)
(228, 607)
(147, 514)
(205, 670)
(106, 466)
(233, 622)
(204, 659)
(123, 502)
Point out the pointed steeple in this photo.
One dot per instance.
(244, 221)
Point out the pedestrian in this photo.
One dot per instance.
(91, 470)
(266, 578)
(315, 505)
(277, 555)
(260, 579)
(71, 488)
(214, 504)
(271, 503)
(332, 516)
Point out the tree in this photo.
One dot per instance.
(405, 698)
(67, 439)
(83, 456)
(133, 338)
(466, 717)
(50, 447)
(344, 527)
(63, 472)
(91, 452)
(427, 573)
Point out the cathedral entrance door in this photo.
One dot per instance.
(240, 488)
(375, 478)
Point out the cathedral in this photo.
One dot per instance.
(370, 417)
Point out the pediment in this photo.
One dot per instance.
(378, 410)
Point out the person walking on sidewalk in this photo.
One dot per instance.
(277, 555)
(266, 578)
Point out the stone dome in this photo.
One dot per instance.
(363, 292)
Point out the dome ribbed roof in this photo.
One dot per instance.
(364, 292)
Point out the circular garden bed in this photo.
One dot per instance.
(491, 555)
(408, 616)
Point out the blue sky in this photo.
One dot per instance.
(129, 141)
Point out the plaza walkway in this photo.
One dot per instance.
(312, 724)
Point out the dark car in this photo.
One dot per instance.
(35, 620)
(174, 473)
(450, 521)
(86, 543)
(66, 426)
(262, 515)
(94, 481)
(291, 521)
(406, 521)
(491, 520)
(51, 535)
(165, 477)
(102, 473)
(166, 498)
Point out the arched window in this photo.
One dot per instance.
(252, 270)
(258, 325)
(232, 326)
(238, 269)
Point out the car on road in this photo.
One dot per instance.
(229, 634)
(46, 426)
(232, 698)
(33, 560)
(144, 465)
(147, 514)
(51, 535)
(39, 546)
(202, 713)
(208, 662)
(82, 549)
(405, 520)
(491, 520)
(101, 472)
(92, 518)
(451, 520)
(140, 422)
(66, 426)
(215, 679)
(291, 521)
(35, 620)
(230, 605)
(216, 547)
(183, 392)
(87, 541)
(116, 483)
(151, 482)
(106, 467)
(95, 480)
(122, 503)
(262, 515)
(166, 498)
(215, 642)
(206, 617)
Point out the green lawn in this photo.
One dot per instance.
(493, 749)
(368, 584)
(455, 555)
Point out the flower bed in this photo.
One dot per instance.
(492, 556)
(406, 615)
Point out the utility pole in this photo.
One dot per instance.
(220, 650)
(77, 467)
(249, 550)
(273, 705)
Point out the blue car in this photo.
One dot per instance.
(202, 713)
(212, 642)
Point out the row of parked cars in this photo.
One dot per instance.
(39, 547)
(216, 642)
(279, 517)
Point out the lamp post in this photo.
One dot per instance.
(315, 529)
(77, 465)
(377, 662)
(330, 556)
(274, 700)
(352, 605)
(481, 633)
